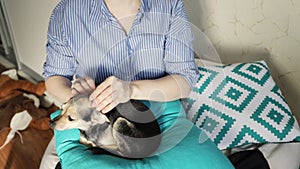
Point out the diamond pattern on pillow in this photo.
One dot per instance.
(233, 94)
(240, 104)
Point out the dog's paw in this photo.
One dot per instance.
(124, 127)
(86, 142)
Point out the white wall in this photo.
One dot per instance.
(28, 23)
(247, 30)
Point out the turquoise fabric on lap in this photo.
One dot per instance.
(183, 146)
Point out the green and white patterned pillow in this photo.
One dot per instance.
(240, 104)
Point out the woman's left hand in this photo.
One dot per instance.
(110, 93)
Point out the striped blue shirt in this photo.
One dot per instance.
(84, 39)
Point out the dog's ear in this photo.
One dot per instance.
(66, 105)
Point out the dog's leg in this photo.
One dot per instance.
(131, 140)
(127, 138)
(84, 141)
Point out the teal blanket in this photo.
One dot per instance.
(183, 146)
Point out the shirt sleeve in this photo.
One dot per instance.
(60, 59)
(179, 55)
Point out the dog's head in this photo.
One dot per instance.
(77, 113)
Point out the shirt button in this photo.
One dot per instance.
(130, 51)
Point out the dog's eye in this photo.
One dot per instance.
(70, 118)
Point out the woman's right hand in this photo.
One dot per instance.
(83, 85)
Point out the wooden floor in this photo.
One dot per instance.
(36, 137)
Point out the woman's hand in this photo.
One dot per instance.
(84, 85)
(110, 93)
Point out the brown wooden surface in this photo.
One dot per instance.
(28, 155)
(36, 137)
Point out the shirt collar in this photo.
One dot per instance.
(104, 11)
(100, 7)
(144, 6)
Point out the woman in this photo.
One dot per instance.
(119, 50)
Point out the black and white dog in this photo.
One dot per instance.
(130, 130)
